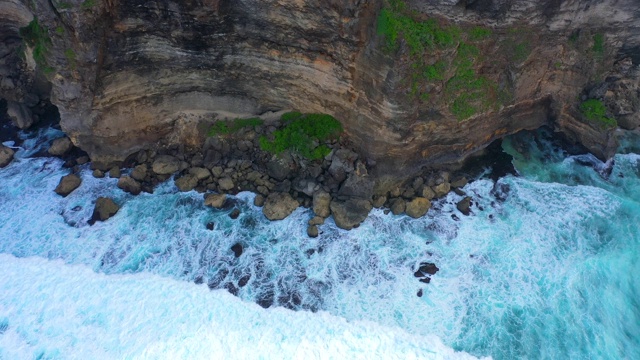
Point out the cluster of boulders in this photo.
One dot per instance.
(338, 185)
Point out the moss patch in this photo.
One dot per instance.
(594, 110)
(223, 127)
(37, 37)
(303, 134)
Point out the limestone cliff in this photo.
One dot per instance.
(128, 75)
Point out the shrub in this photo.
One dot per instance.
(88, 4)
(222, 127)
(303, 134)
(595, 110)
(37, 37)
(598, 44)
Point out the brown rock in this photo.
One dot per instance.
(312, 231)
(166, 165)
(418, 207)
(114, 172)
(321, 204)
(67, 184)
(259, 200)
(129, 185)
(398, 206)
(442, 189)
(464, 205)
(60, 146)
(350, 213)
(226, 184)
(6, 155)
(278, 206)
(104, 209)
(139, 172)
(458, 183)
(428, 193)
(200, 173)
(98, 174)
(215, 200)
(316, 220)
(379, 200)
(186, 182)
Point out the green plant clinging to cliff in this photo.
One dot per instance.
(466, 91)
(37, 38)
(598, 44)
(303, 133)
(222, 127)
(595, 110)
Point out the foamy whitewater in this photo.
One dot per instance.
(545, 267)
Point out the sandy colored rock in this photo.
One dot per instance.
(418, 207)
(60, 146)
(442, 189)
(279, 205)
(104, 209)
(186, 182)
(312, 231)
(200, 173)
(139, 172)
(321, 204)
(226, 184)
(6, 155)
(215, 200)
(165, 165)
(398, 206)
(129, 185)
(350, 213)
(67, 184)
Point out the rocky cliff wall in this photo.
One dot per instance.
(128, 75)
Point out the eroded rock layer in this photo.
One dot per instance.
(129, 75)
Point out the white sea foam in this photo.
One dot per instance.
(49, 310)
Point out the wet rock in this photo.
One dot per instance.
(200, 173)
(166, 165)
(428, 268)
(186, 182)
(6, 155)
(103, 210)
(226, 184)
(312, 231)
(114, 172)
(259, 200)
(316, 220)
(425, 280)
(460, 182)
(379, 201)
(419, 293)
(235, 213)
(67, 184)
(82, 160)
(464, 205)
(129, 185)
(98, 174)
(60, 146)
(20, 114)
(215, 200)
(442, 189)
(321, 204)
(418, 207)
(398, 206)
(279, 205)
(350, 213)
(139, 172)
(211, 225)
(237, 249)
(459, 192)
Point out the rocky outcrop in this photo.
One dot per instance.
(104, 209)
(278, 206)
(6, 155)
(215, 200)
(349, 214)
(60, 146)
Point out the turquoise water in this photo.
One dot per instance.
(545, 266)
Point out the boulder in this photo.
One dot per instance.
(259, 200)
(321, 204)
(98, 174)
(6, 155)
(312, 231)
(114, 172)
(279, 205)
(379, 201)
(278, 168)
(350, 213)
(82, 160)
(104, 209)
(316, 220)
(67, 184)
(60, 146)
(460, 182)
(427, 192)
(464, 205)
(165, 165)
(304, 185)
(215, 200)
(186, 182)
(442, 189)
(418, 207)
(200, 173)
(129, 185)
(139, 172)
(342, 164)
(226, 184)
(357, 186)
(398, 206)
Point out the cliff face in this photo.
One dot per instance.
(128, 75)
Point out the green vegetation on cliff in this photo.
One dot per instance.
(303, 134)
(444, 55)
(37, 37)
(595, 111)
(226, 127)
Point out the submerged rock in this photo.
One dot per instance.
(105, 208)
(279, 205)
(67, 184)
(350, 213)
(6, 155)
